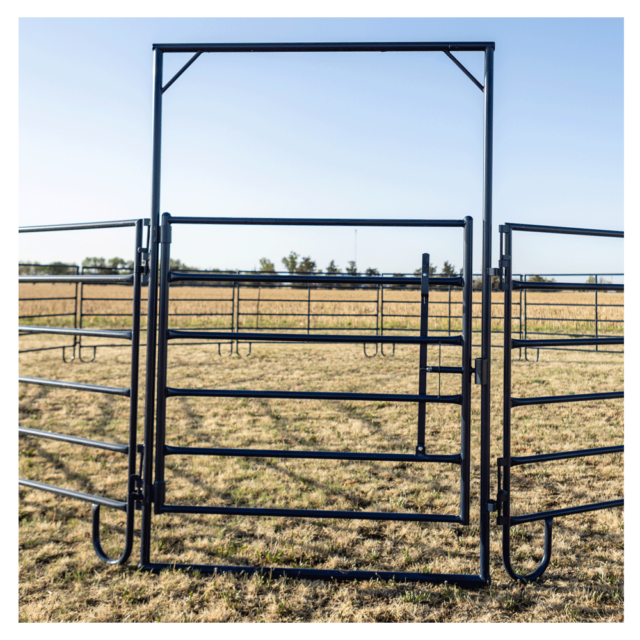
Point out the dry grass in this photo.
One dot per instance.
(62, 580)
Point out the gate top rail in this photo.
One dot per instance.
(283, 47)
(83, 225)
(574, 231)
(319, 222)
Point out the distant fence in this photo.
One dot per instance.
(380, 309)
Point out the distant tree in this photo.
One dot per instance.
(371, 272)
(98, 263)
(591, 279)
(351, 269)
(448, 269)
(540, 279)
(333, 268)
(306, 266)
(178, 265)
(291, 262)
(266, 266)
(58, 268)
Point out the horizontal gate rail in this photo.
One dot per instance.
(78, 386)
(313, 455)
(133, 335)
(77, 495)
(502, 504)
(311, 513)
(86, 442)
(576, 397)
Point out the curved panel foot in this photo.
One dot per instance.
(393, 352)
(80, 354)
(95, 538)
(364, 346)
(73, 354)
(546, 558)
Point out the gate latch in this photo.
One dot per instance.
(496, 505)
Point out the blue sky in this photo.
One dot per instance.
(323, 135)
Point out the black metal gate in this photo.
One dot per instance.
(163, 448)
(128, 505)
(503, 502)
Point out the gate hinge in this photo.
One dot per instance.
(136, 494)
(158, 495)
(165, 233)
(482, 371)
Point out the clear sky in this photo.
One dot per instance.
(396, 135)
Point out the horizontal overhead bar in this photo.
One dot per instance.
(179, 276)
(61, 437)
(310, 513)
(78, 386)
(578, 397)
(312, 395)
(557, 513)
(315, 455)
(563, 455)
(294, 337)
(79, 278)
(320, 222)
(83, 225)
(569, 286)
(78, 495)
(464, 581)
(284, 47)
(573, 231)
(565, 342)
(92, 333)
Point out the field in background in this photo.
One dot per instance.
(61, 578)
(345, 309)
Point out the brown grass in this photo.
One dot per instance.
(61, 578)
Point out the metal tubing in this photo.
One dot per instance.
(465, 409)
(312, 395)
(311, 455)
(566, 286)
(578, 397)
(569, 511)
(465, 71)
(461, 580)
(485, 409)
(85, 442)
(178, 276)
(116, 391)
(96, 333)
(311, 513)
(77, 495)
(320, 222)
(565, 455)
(566, 342)
(163, 328)
(82, 225)
(575, 231)
(305, 47)
(78, 278)
(544, 563)
(176, 334)
(186, 66)
(149, 410)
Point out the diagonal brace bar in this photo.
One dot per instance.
(464, 70)
(186, 66)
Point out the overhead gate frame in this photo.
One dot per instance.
(149, 494)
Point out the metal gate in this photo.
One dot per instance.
(164, 447)
(503, 502)
(128, 505)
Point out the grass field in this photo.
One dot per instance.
(61, 579)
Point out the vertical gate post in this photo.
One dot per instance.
(152, 301)
(485, 410)
(467, 338)
(424, 330)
